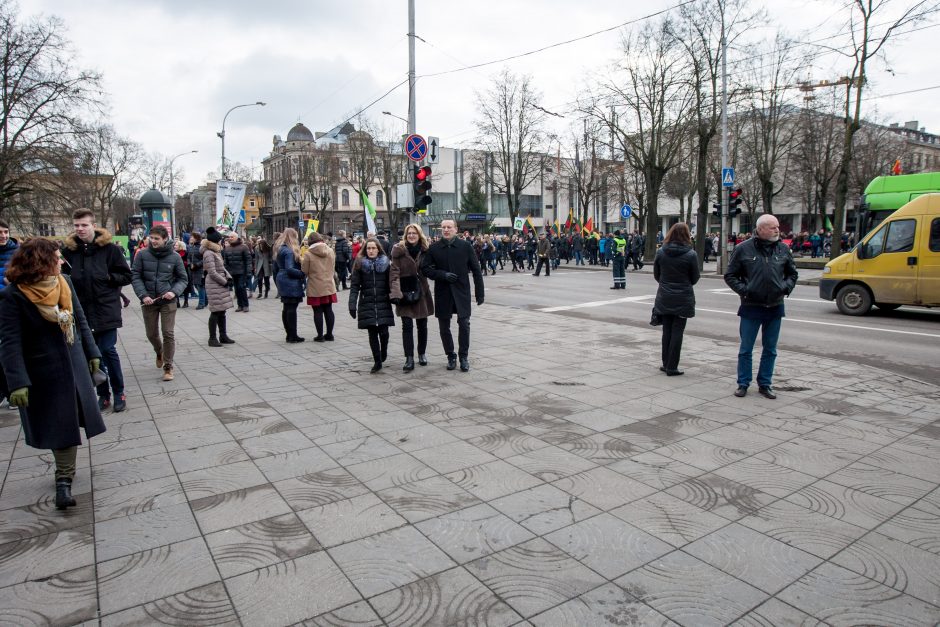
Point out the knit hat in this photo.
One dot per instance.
(213, 236)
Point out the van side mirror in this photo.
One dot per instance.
(862, 250)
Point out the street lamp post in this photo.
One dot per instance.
(222, 134)
(172, 190)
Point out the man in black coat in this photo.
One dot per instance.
(343, 257)
(448, 263)
(98, 272)
(238, 262)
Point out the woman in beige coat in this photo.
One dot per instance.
(407, 281)
(318, 264)
(218, 289)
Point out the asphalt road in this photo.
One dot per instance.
(905, 341)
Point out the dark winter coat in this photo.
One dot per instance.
(676, 270)
(6, 252)
(577, 243)
(35, 355)
(288, 276)
(194, 260)
(262, 257)
(218, 293)
(157, 271)
(455, 256)
(761, 272)
(405, 276)
(369, 292)
(544, 248)
(237, 258)
(343, 251)
(98, 272)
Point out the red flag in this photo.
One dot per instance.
(568, 222)
(589, 225)
(896, 168)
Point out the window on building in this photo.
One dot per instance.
(251, 203)
(345, 197)
(379, 199)
(344, 168)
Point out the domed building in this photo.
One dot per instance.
(299, 133)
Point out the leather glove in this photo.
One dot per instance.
(352, 313)
(394, 301)
(479, 300)
(94, 365)
(450, 277)
(19, 398)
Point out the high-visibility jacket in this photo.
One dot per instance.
(620, 245)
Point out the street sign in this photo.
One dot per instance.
(415, 147)
(241, 216)
(727, 177)
(300, 225)
(434, 149)
(626, 211)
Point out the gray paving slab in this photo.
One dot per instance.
(274, 484)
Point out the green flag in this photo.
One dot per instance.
(370, 212)
(828, 224)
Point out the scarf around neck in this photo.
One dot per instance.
(53, 298)
(379, 264)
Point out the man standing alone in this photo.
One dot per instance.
(448, 263)
(544, 252)
(762, 273)
(343, 257)
(618, 248)
(238, 262)
(98, 272)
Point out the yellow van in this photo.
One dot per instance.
(896, 264)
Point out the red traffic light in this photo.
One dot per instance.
(422, 174)
(734, 194)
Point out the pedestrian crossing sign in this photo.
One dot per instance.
(727, 177)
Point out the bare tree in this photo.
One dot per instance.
(510, 125)
(107, 163)
(817, 147)
(587, 170)
(769, 131)
(871, 29)
(652, 86)
(317, 174)
(43, 99)
(364, 165)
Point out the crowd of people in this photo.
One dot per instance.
(62, 307)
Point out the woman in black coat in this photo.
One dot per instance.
(676, 270)
(406, 282)
(369, 298)
(49, 356)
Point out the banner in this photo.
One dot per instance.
(312, 226)
(369, 213)
(229, 197)
(518, 224)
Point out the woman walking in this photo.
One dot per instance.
(218, 292)
(319, 265)
(410, 293)
(194, 263)
(369, 296)
(263, 267)
(49, 357)
(289, 279)
(676, 271)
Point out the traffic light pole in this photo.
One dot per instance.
(411, 68)
(725, 219)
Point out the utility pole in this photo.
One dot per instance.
(725, 218)
(411, 68)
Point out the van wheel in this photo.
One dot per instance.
(854, 300)
(887, 306)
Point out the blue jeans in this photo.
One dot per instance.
(769, 336)
(203, 296)
(578, 261)
(106, 341)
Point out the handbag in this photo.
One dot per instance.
(656, 319)
(410, 296)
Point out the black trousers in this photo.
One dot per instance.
(408, 336)
(463, 336)
(548, 266)
(673, 328)
(378, 342)
(289, 317)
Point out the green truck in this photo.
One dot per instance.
(886, 194)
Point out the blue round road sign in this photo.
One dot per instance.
(415, 147)
(626, 211)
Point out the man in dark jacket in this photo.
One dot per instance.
(98, 272)
(543, 251)
(448, 263)
(8, 246)
(762, 273)
(237, 258)
(343, 257)
(159, 278)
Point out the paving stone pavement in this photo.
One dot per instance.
(563, 481)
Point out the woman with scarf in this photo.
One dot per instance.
(49, 356)
(410, 294)
(369, 296)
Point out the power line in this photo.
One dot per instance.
(560, 43)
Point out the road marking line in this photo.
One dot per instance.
(729, 292)
(599, 303)
(834, 324)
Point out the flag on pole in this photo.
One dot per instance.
(529, 223)
(518, 224)
(312, 226)
(589, 226)
(828, 224)
(896, 168)
(568, 221)
(557, 227)
(369, 212)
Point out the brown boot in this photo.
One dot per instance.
(160, 359)
(168, 373)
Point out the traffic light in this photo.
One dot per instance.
(422, 187)
(735, 198)
(717, 205)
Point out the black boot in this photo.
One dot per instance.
(213, 331)
(63, 494)
(409, 364)
(422, 360)
(223, 334)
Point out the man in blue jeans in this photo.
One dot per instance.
(762, 273)
(98, 272)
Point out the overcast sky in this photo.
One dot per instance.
(172, 68)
